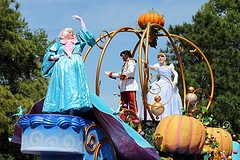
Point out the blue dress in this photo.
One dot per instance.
(169, 93)
(68, 86)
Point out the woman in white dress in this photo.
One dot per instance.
(165, 87)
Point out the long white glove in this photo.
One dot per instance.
(175, 79)
(83, 26)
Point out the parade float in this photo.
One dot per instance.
(190, 135)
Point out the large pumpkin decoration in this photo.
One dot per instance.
(180, 135)
(152, 17)
(224, 140)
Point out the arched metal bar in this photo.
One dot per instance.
(144, 77)
(144, 80)
(146, 71)
(208, 65)
(178, 58)
(110, 35)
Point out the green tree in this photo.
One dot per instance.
(21, 81)
(216, 31)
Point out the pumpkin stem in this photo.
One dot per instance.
(152, 10)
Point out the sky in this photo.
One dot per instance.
(108, 15)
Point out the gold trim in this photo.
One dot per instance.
(95, 149)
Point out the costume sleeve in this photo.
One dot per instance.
(90, 38)
(129, 72)
(154, 67)
(46, 64)
(85, 38)
(175, 79)
(116, 75)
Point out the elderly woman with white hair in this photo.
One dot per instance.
(68, 87)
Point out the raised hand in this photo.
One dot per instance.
(107, 73)
(83, 26)
(76, 17)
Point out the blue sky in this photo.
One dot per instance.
(109, 15)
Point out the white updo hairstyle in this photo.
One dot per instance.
(65, 32)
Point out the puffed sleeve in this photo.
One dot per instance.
(46, 64)
(171, 66)
(154, 67)
(85, 38)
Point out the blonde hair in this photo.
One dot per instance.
(161, 54)
(66, 31)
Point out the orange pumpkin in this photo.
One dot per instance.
(152, 17)
(180, 135)
(224, 139)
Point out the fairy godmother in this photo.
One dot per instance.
(68, 87)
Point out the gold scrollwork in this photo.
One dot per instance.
(97, 152)
(93, 144)
(103, 38)
(160, 88)
(226, 125)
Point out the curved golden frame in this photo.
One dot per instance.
(98, 150)
(110, 37)
(146, 102)
(144, 71)
(188, 103)
(92, 141)
(208, 65)
(144, 80)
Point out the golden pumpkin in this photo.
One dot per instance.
(180, 135)
(224, 139)
(152, 17)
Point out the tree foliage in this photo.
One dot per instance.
(21, 81)
(216, 31)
